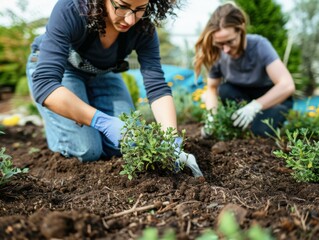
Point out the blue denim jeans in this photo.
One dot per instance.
(106, 92)
(276, 113)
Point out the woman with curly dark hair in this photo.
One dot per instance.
(73, 73)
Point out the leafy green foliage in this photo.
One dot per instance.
(146, 146)
(152, 234)
(132, 86)
(296, 120)
(302, 157)
(228, 229)
(305, 29)
(220, 125)
(14, 49)
(309, 120)
(7, 170)
(15, 41)
(265, 18)
(277, 135)
(187, 111)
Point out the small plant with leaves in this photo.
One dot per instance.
(303, 155)
(277, 135)
(219, 125)
(7, 170)
(187, 109)
(228, 229)
(146, 146)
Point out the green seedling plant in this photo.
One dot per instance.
(228, 229)
(152, 234)
(7, 170)
(146, 146)
(303, 155)
(219, 125)
(277, 135)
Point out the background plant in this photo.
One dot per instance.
(132, 86)
(228, 228)
(303, 155)
(308, 119)
(220, 125)
(188, 109)
(146, 146)
(7, 170)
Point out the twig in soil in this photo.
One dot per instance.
(108, 188)
(221, 190)
(167, 208)
(137, 209)
(244, 204)
(298, 199)
(191, 201)
(256, 198)
(137, 201)
(302, 217)
(188, 229)
(267, 206)
(164, 193)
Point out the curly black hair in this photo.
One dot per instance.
(158, 10)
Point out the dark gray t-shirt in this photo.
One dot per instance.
(249, 70)
(67, 27)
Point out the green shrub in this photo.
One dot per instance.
(228, 228)
(220, 125)
(303, 155)
(7, 170)
(22, 88)
(308, 119)
(186, 109)
(146, 146)
(132, 86)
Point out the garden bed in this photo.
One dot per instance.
(64, 199)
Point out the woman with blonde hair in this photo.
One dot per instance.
(243, 67)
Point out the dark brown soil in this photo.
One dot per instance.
(65, 199)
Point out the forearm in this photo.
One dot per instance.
(211, 100)
(284, 85)
(164, 112)
(277, 94)
(67, 104)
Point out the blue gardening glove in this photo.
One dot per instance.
(108, 125)
(245, 115)
(178, 143)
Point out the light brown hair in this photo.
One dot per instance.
(226, 15)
